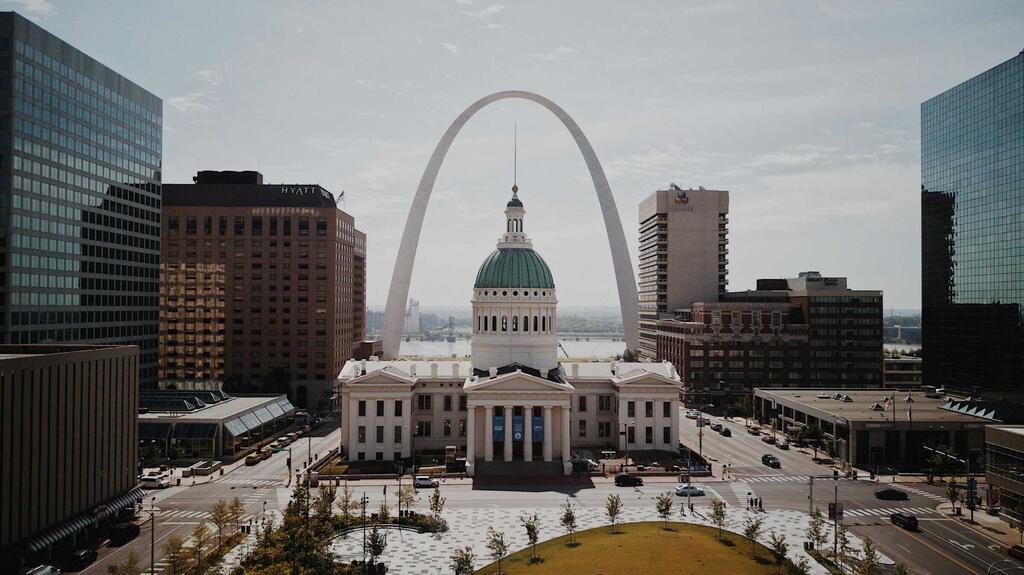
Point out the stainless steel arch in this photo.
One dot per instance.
(394, 313)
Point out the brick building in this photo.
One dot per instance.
(259, 283)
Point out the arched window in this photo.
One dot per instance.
(504, 323)
(515, 323)
(478, 326)
(494, 323)
(508, 225)
(544, 323)
(526, 323)
(534, 323)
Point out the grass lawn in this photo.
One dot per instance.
(639, 549)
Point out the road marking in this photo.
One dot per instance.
(941, 552)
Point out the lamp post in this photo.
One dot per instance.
(152, 533)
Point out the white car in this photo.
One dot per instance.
(692, 414)
(153, 482)
(688, 489)
(424, 482)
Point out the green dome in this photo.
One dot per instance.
(514, 268)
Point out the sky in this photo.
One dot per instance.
(807, 112)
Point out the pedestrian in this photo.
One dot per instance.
(760, 504)
(691, 508)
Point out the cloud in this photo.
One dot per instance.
(794, 156)
(33, 8)
(191, 103)
(210, 76)
(485, 12)
(554, 54)
(454, 49)
(370, 84)
(493, 26)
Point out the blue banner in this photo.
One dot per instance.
(499, 428)
(518, 430)
(538, 429)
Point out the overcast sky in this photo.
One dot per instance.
(808, 112)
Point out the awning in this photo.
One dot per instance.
(60, 532)
(121, 501)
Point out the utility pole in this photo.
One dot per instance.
(152, 534)
(835, 522)
(364, 527)
(810, 496)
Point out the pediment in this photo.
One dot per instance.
(644, 377)
(386, 376)
(516, 382)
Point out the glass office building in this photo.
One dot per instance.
(972, 231)
(80, 157)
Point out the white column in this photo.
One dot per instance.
(508, 432)
(353, 427)
(410, 427)
(528, 433)
(622, 422)
(470, 435)
(674, 413)
(489, 433)
(565, 433)
(547, 433)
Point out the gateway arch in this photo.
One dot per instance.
(394, 313)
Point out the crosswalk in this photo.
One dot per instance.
(773, 478)
(888, 511)
(184, 514)
(251, 482)
(923, 493)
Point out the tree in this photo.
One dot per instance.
(376, 543)
(437, 503)
(779, 548)
(384, 512)
(130, 565)
(742, 406)
(752, 531)
(568, 520)
(816, 529)
(237, 510)
(497, 545)
(323, 506)
(220, 516)
(629, 355)
(613, 509)
(952, 492)
(462, 561)
(899, 569)
(812, 434)
(347, 503)
(663, 504)
(200, 537)
(718, 515)
(174, 552)
(407, 497)
(532, 525)
(843, 548)
(869, 559)
(800, 567)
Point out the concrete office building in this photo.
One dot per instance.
(972, 251)
(259, 278)
(68, 448)
(865, 430)
(683, 255)
(513, 409)
(79, 200)
(902, 372)
(412, 318)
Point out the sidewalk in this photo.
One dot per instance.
(992, 527)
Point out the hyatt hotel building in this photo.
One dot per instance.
(259, 280)
(80, 156)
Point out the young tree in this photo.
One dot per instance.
(952, 492)
(376, 543)
(384, 513)
(779, 548)
(497, 545)
(752, 531)
(407, 497)
(174, 552)
(220, 516)
(843, 548)
(663, 504)
(532, 525)
(869, 559)
(718, 515)
(237, 510)
(568, 520)
(800, 567)
(899, 569)
(130, 565)
(437, 503)
(347, 503)
(613, 509)
(462, 561)
(816, 529)
(200, 537)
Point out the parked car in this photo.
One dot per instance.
(782, 444)
(716, 426)
(80, 559)
(154, 482)
(266, 452)
(904, 520)
(724, 432)
(1015, 551)
(688, 489)
(771, 461)
(275, 446)
(252, 459)
(753, 431)
(627, 480)
(424, 482)
(769, 439)
(692, 414)
(284, 440)
(123, 533)
(890, 494)
(43, 570)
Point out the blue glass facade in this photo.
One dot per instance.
(80, 161)
(972, 228)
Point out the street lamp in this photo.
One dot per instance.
(152, 534)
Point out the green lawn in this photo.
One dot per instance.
(639, 549)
